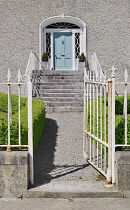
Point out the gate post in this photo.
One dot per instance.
(109, 171)
(85, 118)
(111, 128)
(113, 123)
(30, 133)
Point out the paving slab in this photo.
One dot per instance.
(65, 204)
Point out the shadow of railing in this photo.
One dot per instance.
(64, 170)
(44, 168)
(44, 155)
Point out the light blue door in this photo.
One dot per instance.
(63, 51)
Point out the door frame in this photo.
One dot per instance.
(73, 31)
(42, 37)
(54, 64)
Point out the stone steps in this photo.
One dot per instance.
(61, 91)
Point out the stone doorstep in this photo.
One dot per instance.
(72, 189)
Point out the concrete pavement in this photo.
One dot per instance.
(65, 204)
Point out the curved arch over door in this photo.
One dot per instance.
(63, 38)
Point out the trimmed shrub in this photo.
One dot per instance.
(38, 120)
(82, 57)
(119, 122)
(119, 103)
(14, 99)
(44, 57)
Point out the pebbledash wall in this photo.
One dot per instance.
(108, 30)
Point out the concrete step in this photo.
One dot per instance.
(44, 73)
(64, 109)
(71, 189)
(63, 104)
(63, 91)
(61, 80)
(59, 76)
(75, 95)
(60, 83)
(60, 99)
(60, 87)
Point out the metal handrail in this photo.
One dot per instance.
(39, 60)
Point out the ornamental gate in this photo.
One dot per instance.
(99, 144)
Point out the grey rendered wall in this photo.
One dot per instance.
(108, 30)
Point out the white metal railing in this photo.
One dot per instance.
(24, 81)
(96, 68)
(95, 135)
(99, 127)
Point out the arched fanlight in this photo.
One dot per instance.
(63, 25)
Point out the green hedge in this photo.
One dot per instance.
(119, 103)
(119, 122)
(38, 120)
(14, 99)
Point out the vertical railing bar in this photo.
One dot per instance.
(93, 117)
(97, 129)
(9, 107)
(105, 127)
(109, 170)
(113, 124)
(125, 109)
(87, 109)
(19, 115)
(84, 117)
(101, 120)
(87, 122)
(85, 138)
(125, 105)
(90, 119)
(30, 132)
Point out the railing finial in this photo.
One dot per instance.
(8, 75)
(126, 75)
(113, 70)
(19, 75)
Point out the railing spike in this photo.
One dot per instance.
(19, 75)
(113, 70)
(8, 75)
(126, 75)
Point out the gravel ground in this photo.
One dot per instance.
(59, 156)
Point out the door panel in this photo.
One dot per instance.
(63, 51)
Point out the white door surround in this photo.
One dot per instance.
(62, 24)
